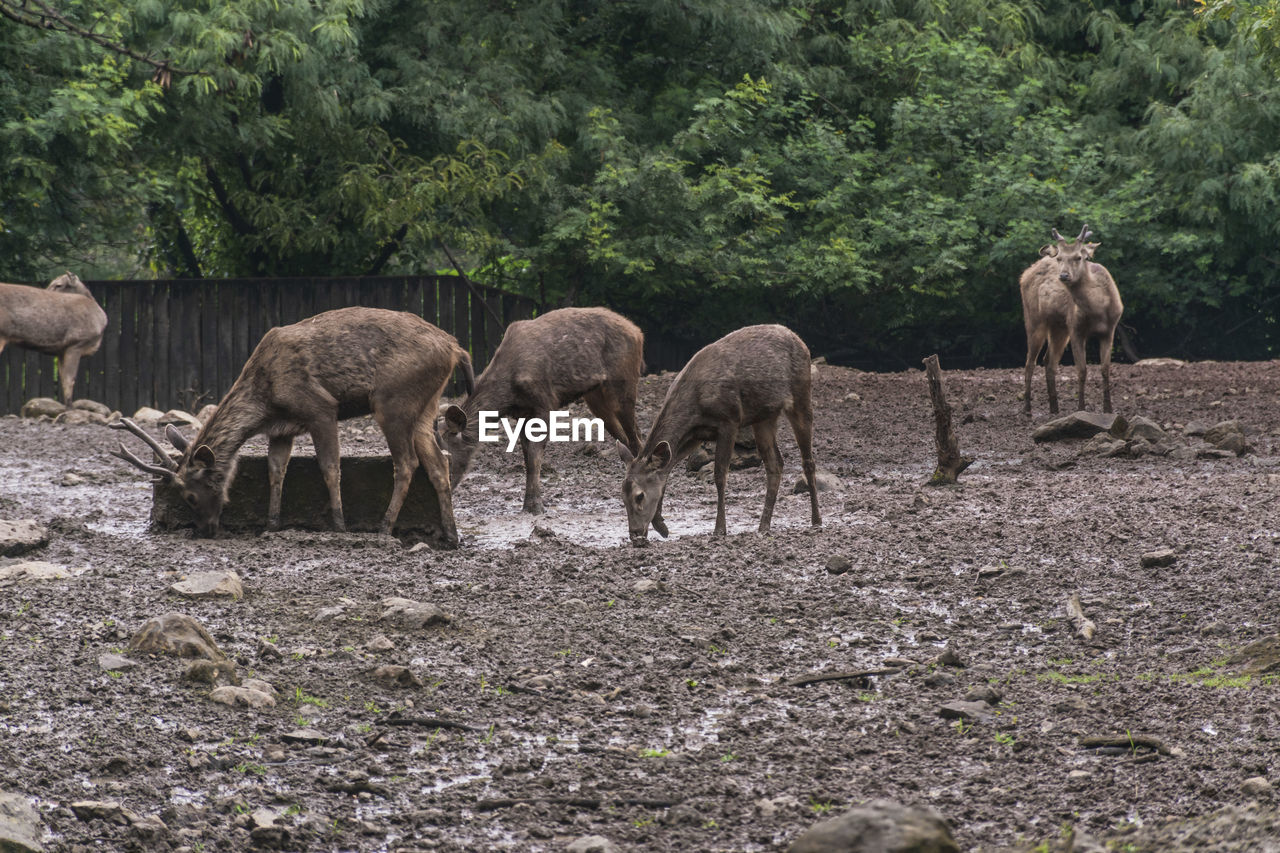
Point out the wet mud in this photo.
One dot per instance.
(584, 687)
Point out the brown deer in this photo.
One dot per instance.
(1066, 296)
(747, 378)
(544, 364)
(305, 378)
(63, 320)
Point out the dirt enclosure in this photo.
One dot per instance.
(581, 687)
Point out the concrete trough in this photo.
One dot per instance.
(366, 491)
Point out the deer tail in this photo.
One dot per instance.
(468, 373)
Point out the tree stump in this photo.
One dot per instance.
(950, 462)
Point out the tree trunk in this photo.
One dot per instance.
(950, 462)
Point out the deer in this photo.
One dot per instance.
(747, 378)
(62, 319)
(305, 378)
(1066, 296)
(592, 354)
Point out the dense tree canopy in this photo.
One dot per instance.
(875, 173)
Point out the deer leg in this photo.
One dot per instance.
(404, 461)
(801, 418)
(724, 452)
(279, 449)
(437, 468)
(1104, 358)
(1057, 343)
(604, 405)
(325, 438)
(533, 451)
(67, 367)
(1079, 355)
(1035, 343)
(766, 433)
(627, 414)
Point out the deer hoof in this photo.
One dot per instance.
(533, 507)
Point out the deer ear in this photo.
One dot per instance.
(1049, 251)
(176, 438)
(624, 453)
(1090, 248)
(661, 455)
(455, 419)
(203, 456)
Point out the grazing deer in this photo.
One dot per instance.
(305, 378)
(1066, 296)
(747, 378)
(544, 364)
(63, 319)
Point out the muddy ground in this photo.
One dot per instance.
(662, 719)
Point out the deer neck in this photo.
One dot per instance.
(237, 419)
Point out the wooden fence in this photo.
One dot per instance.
(180, 344)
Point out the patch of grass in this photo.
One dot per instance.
(301, 697)
(820, 806)
(728, 756)
(1005, 739)
(654, 753)
(1063, 678)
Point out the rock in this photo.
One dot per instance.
(1195, 428)
(111, 662)
(20, 826)
(175, 634)
(968, 711)
(79, 417)
(880, 826)
(743, 461)
(827, 482)
(261, 686)
(1256, 786)
(1145, 428)
(328, 614)
(401, 676)
(210, 585)
(147, 415)
(35, 571)
(206, 412)
(211, 672)
(1103, 444)
(838, 565)
(110, 811)
(20, 536)
(70, 479)
(984, 693)
(242, 696)
(92, 406)
(852, 397)
(177, 417)
(1227, 435)
(697, 459)
(646, 585)
(413, 615)
(42, 407)
(1080, 425)
(308, 737)
(268, 650)
(1159, 557)
(592, 844)
(1261, 657)
(380, 643)
(1159, 362)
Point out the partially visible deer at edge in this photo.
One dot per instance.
(1068, 297)
(62, 319)
(305, 378)
(544, 364)
(747, 378)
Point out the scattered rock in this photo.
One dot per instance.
(1159, 362)
(648, 585)
(968, 711)
(210, 585)
(1159, 557)
(838, 565)
(852, 397)
(19, 537)
(92, 406)
(880, 826)
(175, 634)
(1145, 428)
(242, 696)
(984, 693)
(592, 844)
(1258, 658)
(206, 412)
(380, 643)
(307, 737)
(1080, 425)
(177, 417)
(401, 676)
(69, 479)
(148, 416)
(20, 826)
(35, 571)
(1195, 428)
(211, 672)
(699, 458)
(111, 662)
(38, 407)
(268, 650)
(1256, 786)
(1229, 436)
(948, 657)
(79, 417)
(827, 482)
(413, 615)
(261, 686)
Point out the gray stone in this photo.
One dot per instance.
(1256, 786)
(400, 676)
(177, 417)
(210, 585)
(699, 458)
(1080, 425)
(211, 672)
(649, 585)
(984, 693)
(412, 615)
(261, 686)
(838, 565)
(827, 482)
(42, 407)
(880, 826)
(1145, 428)
(1260, 657)
(20, 826)
(20, 536)
(1227, 435)
(206, 412)
(1159, 557)
(967, 711)
(92, 406)
(147, 415)
(592, 844)
(111, 662)
(79, 417)
(242, 696)
(37, 570)
(1195, 428)
(380, 643)
(175, 634)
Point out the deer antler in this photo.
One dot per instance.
(1057, 236)
(169, 466)
(1085, 234)
(155, 470)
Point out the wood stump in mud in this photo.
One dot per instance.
(950, 462)
(366, 490)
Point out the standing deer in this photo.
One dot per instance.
(63, 319)
(305, 378)
(1066, 296)
(544, 364)
(747, 378)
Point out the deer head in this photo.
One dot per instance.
(197, 476)
(643, 488)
